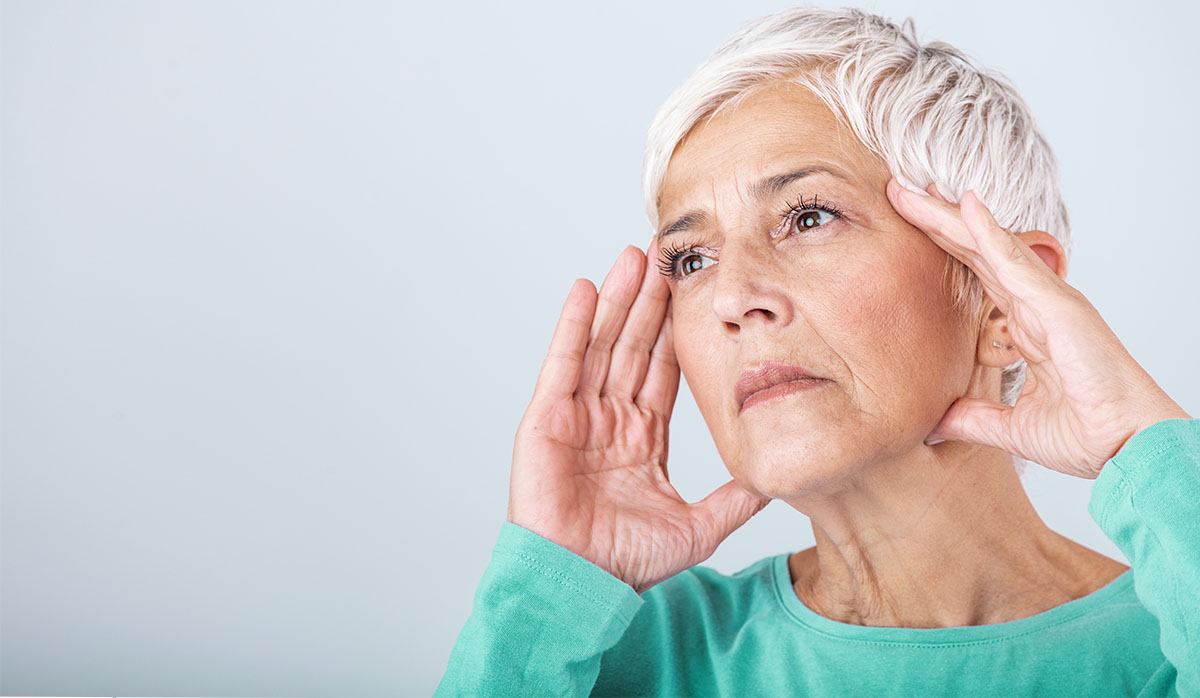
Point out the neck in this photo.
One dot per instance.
(945, 537)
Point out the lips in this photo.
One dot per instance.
(770, 374)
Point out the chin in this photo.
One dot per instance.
(787, 467)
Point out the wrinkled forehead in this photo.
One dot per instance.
(777, 128)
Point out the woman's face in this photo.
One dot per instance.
(846, 289)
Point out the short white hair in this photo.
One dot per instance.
(927, 110)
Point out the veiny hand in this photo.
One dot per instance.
(1084, 395)
(590, 460)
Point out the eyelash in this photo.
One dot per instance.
(670, 256)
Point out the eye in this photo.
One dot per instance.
(678, 262)
(693, 262)
(803, 216)
(812, 218)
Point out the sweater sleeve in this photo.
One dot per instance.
(542, 618)
(1147, 500)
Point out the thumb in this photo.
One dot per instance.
(974, 420)
(723, 512)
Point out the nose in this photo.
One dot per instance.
(749, 288)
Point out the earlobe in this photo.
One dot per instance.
(995, 347)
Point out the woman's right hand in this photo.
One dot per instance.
(590, 460)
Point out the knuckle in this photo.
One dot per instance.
(601, 343)
(615, 303)
(663, 356)
(569, 357)
(633, 341)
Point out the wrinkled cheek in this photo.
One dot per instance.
(891, 328)
(866, 309)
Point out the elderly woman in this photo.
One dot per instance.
(858, 268)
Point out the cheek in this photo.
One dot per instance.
(694, 345)
(698, 345)
(877, 318)
(889, 318)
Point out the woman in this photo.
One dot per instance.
(801, 288)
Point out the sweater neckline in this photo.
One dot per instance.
(968, 634)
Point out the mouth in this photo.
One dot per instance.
(772, 381)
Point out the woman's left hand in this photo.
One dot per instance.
(1084, 395)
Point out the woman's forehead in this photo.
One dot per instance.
(772, 132)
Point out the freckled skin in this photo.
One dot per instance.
(862, 300)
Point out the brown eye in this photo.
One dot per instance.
(691, 263)
(677, 262)
(807, 220)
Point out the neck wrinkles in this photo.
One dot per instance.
(947, 538)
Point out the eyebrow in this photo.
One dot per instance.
(763, 189)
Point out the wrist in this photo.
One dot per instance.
(1161, 410)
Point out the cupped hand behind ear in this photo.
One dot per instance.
(1084, 395)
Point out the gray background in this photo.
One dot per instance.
(278, 279)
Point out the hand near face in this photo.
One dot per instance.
(1084, 395)
(590, 458)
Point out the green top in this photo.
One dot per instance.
(548, 622)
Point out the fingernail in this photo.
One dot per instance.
(944, 191)
(934, 442)
(975, 193)
(910, 186)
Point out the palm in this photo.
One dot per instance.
(589, 461)
(1057, 430)
(1068, 416)
(598, 480)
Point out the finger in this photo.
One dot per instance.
(723, 512)
(560, 371)
(944, 224)
(1013, 262)
(662, 378)
(976, 421)
(631, 354)
(934, 216)
(936, 192)
(617, 293)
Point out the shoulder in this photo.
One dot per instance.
(703, 596)
(668, 648)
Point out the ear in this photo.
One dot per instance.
(1049, 250)
(994, 329)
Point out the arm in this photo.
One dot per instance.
(543, 616)
(1147, 500)
(592, 517)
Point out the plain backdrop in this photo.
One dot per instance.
(278, 278)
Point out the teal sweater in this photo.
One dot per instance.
(548, 622)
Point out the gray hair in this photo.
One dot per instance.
(928, 111)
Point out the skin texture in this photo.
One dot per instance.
(908, 534)
(854, 300)
(859, 300)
